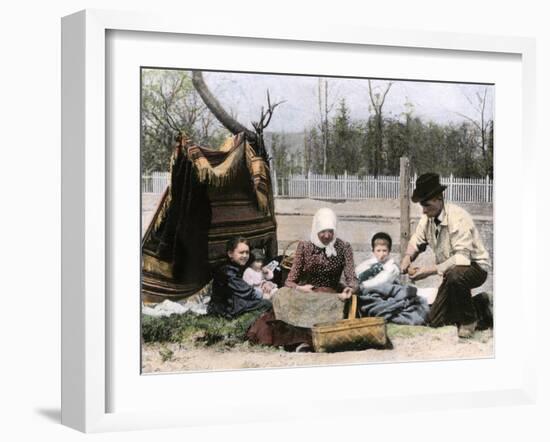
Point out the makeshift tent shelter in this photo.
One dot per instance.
(213, 196)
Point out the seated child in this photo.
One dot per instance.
(382, 294)
(258, 276)
(380, 268)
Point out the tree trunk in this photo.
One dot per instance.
(216, 108)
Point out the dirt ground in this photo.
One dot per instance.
(422, 344)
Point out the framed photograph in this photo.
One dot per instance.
(327, 145)
(260, 130)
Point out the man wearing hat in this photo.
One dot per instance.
(460, 256)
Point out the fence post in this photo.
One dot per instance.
(290, 185)
(451, 187)
(309, 183)
(487, 188)
(275, 184)
(404, 200)
(345, 184)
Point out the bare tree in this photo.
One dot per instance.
(229, 122)
(307, 153)
(377, 100)
(171, 105)
(483, 125)
(324, 111)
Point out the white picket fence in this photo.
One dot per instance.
(155, 183)
(350, 187)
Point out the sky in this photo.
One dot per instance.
(245, 94)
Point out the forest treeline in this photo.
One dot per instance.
(333, 144)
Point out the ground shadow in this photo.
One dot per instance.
(51, 414)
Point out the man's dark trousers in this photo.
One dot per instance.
(453, 304)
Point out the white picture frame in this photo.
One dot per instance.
(87, 232)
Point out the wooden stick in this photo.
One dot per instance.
(404, 199)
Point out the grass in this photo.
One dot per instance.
(166, 354)
(202, 330)
(411, 331)
(220, 333)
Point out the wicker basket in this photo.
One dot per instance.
(350, 334)
(287, 260)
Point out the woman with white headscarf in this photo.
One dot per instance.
(318, 266)
(320, 262)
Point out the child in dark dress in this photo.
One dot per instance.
(231, 295)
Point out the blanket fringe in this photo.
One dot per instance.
(222, 174)
(168, 198)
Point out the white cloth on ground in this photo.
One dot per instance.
(167, 308)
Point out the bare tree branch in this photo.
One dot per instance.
(373, 101)
(262, 124)
(378, 103)
(161, 122)
(471, 120)
(480, 123)
(216, 108)
(385, 93)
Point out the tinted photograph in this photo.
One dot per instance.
(293, 220)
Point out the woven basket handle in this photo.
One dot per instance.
(285, 261)
(353, 307)
(288, 246)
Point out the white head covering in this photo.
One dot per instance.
(324, 219)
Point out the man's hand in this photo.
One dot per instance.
(405, 263)
(423, 272)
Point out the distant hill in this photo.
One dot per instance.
(294, 140)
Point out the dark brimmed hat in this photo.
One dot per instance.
(427, 186)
